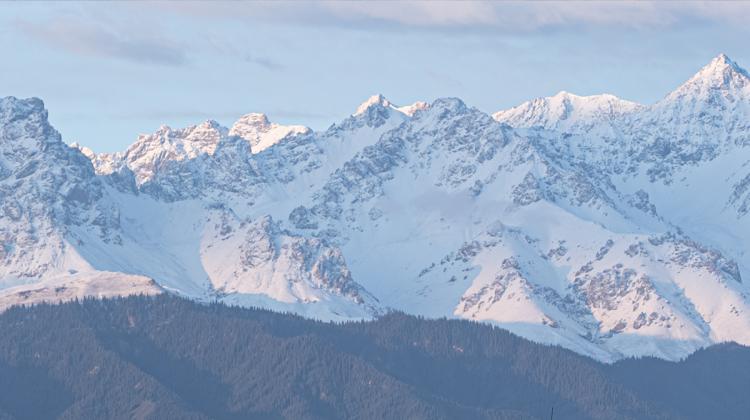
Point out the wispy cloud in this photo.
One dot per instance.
(84, 37)
(507, 16)
(264, 62)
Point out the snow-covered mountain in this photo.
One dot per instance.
(51, 199)
(608, 227)
(568, 112)
(261, 133)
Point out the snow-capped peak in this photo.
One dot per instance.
(565, 111)
(721, 74)
(193, 133)
(253, 118)
(382, 104)
(261, 133)
(712, 103)
(411, 109)
(24, 133)
(199, 138)
(720, 68)
(373, 100)
(12, 107)
(23, 122)
(375, 111)
(151, 151)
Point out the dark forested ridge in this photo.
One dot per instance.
(167, 358)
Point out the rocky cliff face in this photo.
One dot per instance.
(50, 193)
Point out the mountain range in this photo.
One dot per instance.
(611, 228)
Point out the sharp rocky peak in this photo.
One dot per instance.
(25, 121)
(376, 110)
(721, 74)
(192, 138)
(254, 119)
(450, 104)
(374, 100)
(381, 102)
(151, 151)
(191, 132)
(256, 129)
(12, 108)
(722, 65)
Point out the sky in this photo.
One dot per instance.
(109, 71)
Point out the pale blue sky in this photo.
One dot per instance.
(109, 71)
